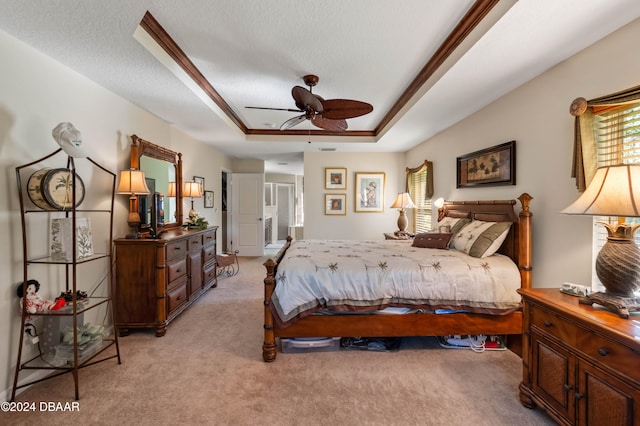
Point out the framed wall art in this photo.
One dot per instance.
(200, 180)
(488, 167)
(369, 193)
(335, 178)
(208, 199)
(335, 204)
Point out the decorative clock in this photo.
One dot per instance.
(53, 189)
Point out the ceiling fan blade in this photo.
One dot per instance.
(330, 125)
(305, 99)
(335, 109)
(275, 109)
(293, 122)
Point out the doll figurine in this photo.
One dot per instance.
(32, 300)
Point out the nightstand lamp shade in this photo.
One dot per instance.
(193, 190)
(132, 183)
(615, 191)
(403, 201)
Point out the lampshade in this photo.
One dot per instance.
(192, 189)
(132, 182)
(403, 201)
(171, 189)
(439, 203)
(614, 191)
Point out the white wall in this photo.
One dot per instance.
(352, 226)
(37, 93)
(537, 116)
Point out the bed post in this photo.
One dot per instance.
(524, 241)
(269, 345)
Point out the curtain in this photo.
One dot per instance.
(428, 167)
(584, 163)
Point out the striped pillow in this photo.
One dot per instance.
(481, 239)
(451, 225)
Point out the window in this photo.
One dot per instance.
(617, 138)
(420, 188)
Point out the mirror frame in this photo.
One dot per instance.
(140, 147)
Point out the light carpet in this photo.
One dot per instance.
(208, 369)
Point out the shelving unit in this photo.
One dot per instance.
(38, 262)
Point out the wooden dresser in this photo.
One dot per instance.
(580, 363)
(157, 279)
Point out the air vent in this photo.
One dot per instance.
(327, 149)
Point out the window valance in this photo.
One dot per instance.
(584, 149)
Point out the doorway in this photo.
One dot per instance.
(285, 207)
(224, 234)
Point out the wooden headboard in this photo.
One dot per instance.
(517, 245)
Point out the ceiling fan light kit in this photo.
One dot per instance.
(330, 114)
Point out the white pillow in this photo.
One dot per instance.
(481, 239)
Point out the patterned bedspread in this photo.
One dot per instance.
(352, 276)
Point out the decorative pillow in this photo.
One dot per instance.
(432, 240)
(481, 239)
(451, 225)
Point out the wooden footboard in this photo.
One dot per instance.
(518, 248)
(269, 348)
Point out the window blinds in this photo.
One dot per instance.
(418, 188)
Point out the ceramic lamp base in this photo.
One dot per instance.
(402, 221)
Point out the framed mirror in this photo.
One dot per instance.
(161, 166)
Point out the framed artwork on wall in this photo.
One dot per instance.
(335, 204)
(369, 192)
(488, 167)
(335, 178)
(200, 180)
(208, 199)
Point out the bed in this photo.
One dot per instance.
(424, 317)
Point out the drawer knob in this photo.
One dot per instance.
(603, 352)
(180, 297)
(579, 395)
(548, 324)
(567, 387)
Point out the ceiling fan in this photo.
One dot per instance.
(329, 114)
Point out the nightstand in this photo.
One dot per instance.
(580, 363)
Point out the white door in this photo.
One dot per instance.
(247, 200)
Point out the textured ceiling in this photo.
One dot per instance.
(252, 52)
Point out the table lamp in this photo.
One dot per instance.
(132, 183)
(403, 201)
(615, 191)
(193, 190)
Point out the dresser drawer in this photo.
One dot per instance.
(177, 269)
(554, 325)
(209, 273)
(176, 249)
(610, 353)
(195, 243)
(177, 297)
(208, 254)
(209, 237)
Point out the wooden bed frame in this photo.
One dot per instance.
(517, 246)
